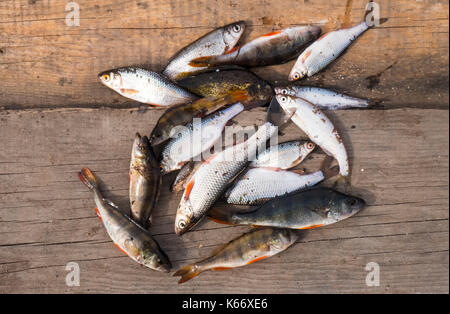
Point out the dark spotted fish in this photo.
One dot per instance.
(127, 235)
(248, 248)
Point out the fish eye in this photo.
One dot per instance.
(352, 202)
(283, 98)
(182, 224)
(284, 91)
(236, 28)
(106, 77)
(296, 76)
(310, 145)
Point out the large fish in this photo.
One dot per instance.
(273, 48)
(214, 176)
(248, 248)
(195, 139)
(145, 180)
(184, 175)
(220, 83)
(325, 50)
(214, 43)
(146, 87)
(127, 235)
(323, 98)
(258, 185)
(285, 155)
(318, 127)
(181, 115)
(300, 210)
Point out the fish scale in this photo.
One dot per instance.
(213, 177)
(259, 185)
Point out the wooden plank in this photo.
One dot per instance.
(45, 63)
(400, 165)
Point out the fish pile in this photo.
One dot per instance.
(204, 86)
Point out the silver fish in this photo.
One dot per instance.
(323, 98)
(213, 177)
(146, 87)
(214, 43)
(195, 139)
(318, 127)
(285, 155)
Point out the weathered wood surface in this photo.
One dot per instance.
(404, 61)
(400, 164)
(52, 124)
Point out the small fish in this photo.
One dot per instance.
(323, 98)
(145, 180)
(220, 83)
(246, 249)
(325, 50)
(214, 43)
(318, 127)
(307, 209)
(127, 235)
(146, 87)
(258, 185)
(195, 139)
(273, 48)
(184, 175)
(213, 177)
(181, 115)
(285, 155)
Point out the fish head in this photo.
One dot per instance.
(286, 90)
(141, 147)
(288, 103)
(307, 148)
(232, 33)
(287, 237)
(156, 260)
(298, 72)
(184, 219)
(111, 78)
(346, 207)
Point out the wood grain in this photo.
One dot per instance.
(404, 62)
(400, 166)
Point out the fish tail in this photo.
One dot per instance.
(221, 216)
(367, 17)
(326, 170)
(202, 62)
(87, 177)
(187, 273)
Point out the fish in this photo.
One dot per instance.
(196, 138)
(325, 50)
(258, 185)
(184, 175)
(322, 98)
(213, 177)
(220, 83)
(181, 115)
(132, 239)
(273, 48)
(319, 128)
(145, 87)
(285, 155)
(217, 42)
(145, 181)
(246, 249)
(308, 209)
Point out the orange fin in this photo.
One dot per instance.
(187, 273)
(128, 91)
(257, 259)
(188, 190)
(98, 214)
(272, 34)
(232, 50)
(200, 62)
(312, 227)
(255, 226)
(220, 268)
(306, 55)
(121, 249)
